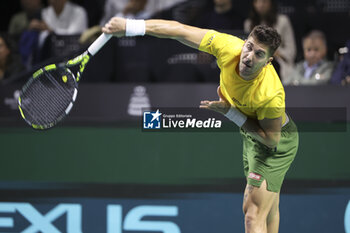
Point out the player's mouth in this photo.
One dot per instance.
(247, 65)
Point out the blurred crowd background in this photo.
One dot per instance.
(314, 51)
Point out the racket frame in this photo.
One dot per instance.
(80, 60)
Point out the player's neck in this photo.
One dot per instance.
(250, 77)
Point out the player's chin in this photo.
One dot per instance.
(244, 72)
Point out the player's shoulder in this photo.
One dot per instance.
(272, 86)
(232, 39)
(233, 44)
(222, 37)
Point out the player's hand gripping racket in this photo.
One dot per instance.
(49, 94)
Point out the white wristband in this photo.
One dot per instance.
(236, 116)
(135, 27)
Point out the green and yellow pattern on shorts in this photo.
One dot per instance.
(263, 163)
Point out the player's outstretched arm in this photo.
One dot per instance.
(188, 35)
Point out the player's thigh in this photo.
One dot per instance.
(258, 201)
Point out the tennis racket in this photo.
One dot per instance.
(49, 94)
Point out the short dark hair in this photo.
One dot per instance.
(267, 36)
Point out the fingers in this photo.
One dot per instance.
(115, 25)
(208, 104)
(218, 106)
(109, 27)
(204, 104)
(106, 30)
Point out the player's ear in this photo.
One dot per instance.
(268, 61)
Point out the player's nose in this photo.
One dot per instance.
(249, 57)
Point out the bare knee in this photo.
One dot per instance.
(250, 219)
(254, 222)
(257, 204)
(254, 219)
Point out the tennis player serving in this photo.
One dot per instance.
(252, 96)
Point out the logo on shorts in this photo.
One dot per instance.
(151, 120)
(254, 176)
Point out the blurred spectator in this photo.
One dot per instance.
(28, 18)
(222, 15)
(25, 27)
(94, 10)
(135, 8)
(315, 69)
(341, 75)
(123, 8)
(65, 18)
(183, 11)
(9, 63)
(265, 12)
(65, 22)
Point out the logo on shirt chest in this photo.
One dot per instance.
(236, 101)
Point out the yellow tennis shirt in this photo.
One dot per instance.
(259, 98)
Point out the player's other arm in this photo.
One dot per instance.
(188, 35)
(266, 131)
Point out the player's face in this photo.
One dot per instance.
(253, 58)
(314, 51)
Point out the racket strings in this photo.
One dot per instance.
(59, 87)
(40, 112)
(48, 107)
(45, 99)
(46, 112)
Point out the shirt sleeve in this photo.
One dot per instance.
(223, 46)
(273, 109)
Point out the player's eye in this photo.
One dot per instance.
(260, 55)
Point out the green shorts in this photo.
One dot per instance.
(263, 163)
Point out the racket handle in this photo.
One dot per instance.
(99, 43)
